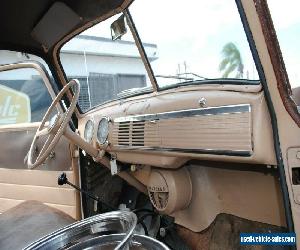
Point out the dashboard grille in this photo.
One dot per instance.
(215, 130)
(130, 133)
(123, 133)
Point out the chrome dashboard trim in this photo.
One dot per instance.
(230, 109)
(241, 153)
(210, 111)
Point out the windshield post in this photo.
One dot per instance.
(141, 49)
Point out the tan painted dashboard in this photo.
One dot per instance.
(168, 128)
(163, 131)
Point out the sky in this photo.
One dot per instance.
(190, 35)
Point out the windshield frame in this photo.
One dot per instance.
(152, 77)
(141, 49)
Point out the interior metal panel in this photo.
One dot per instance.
(18, 185)
(59, 20)
(215, 130)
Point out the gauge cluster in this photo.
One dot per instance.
(101, 132)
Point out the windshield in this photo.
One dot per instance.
(193, 43)
(106, 69)
(196, 40)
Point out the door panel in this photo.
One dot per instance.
(17, 140)
(18, 185)
(18, 123)
(286, 117)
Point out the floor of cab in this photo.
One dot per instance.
(28, 222)
(224, 234)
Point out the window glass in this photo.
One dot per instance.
(23, 94)
(107, 69)
(196, 40)
(286, 19)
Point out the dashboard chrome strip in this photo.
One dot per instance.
(242, 153)
(221, 110)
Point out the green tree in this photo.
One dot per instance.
(231, 61)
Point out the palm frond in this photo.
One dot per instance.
(231, 61)
(223, 64)
(229, 70)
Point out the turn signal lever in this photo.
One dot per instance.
(62, 179)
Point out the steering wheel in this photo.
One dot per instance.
(53, 129)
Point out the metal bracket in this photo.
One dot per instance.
(114, 169)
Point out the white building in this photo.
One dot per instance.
(104, 56)
(104, 66)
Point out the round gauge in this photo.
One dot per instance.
(103, 129)
(88, 131)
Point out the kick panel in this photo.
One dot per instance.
(224, 130)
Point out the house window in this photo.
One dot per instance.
(100, 88)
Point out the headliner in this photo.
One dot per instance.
(19, 17)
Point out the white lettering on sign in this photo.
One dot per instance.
(14, 106)
(9, 109)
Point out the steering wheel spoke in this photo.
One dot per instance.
(42, 132)
(45, 146)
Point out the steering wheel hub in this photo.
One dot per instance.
(54, 122)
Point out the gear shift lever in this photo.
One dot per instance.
(62, 179)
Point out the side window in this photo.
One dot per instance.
(23, 96)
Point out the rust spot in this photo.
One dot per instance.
(274, 50)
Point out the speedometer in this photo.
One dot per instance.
(103, 129)
(89, 131)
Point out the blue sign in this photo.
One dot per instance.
(268, 239)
